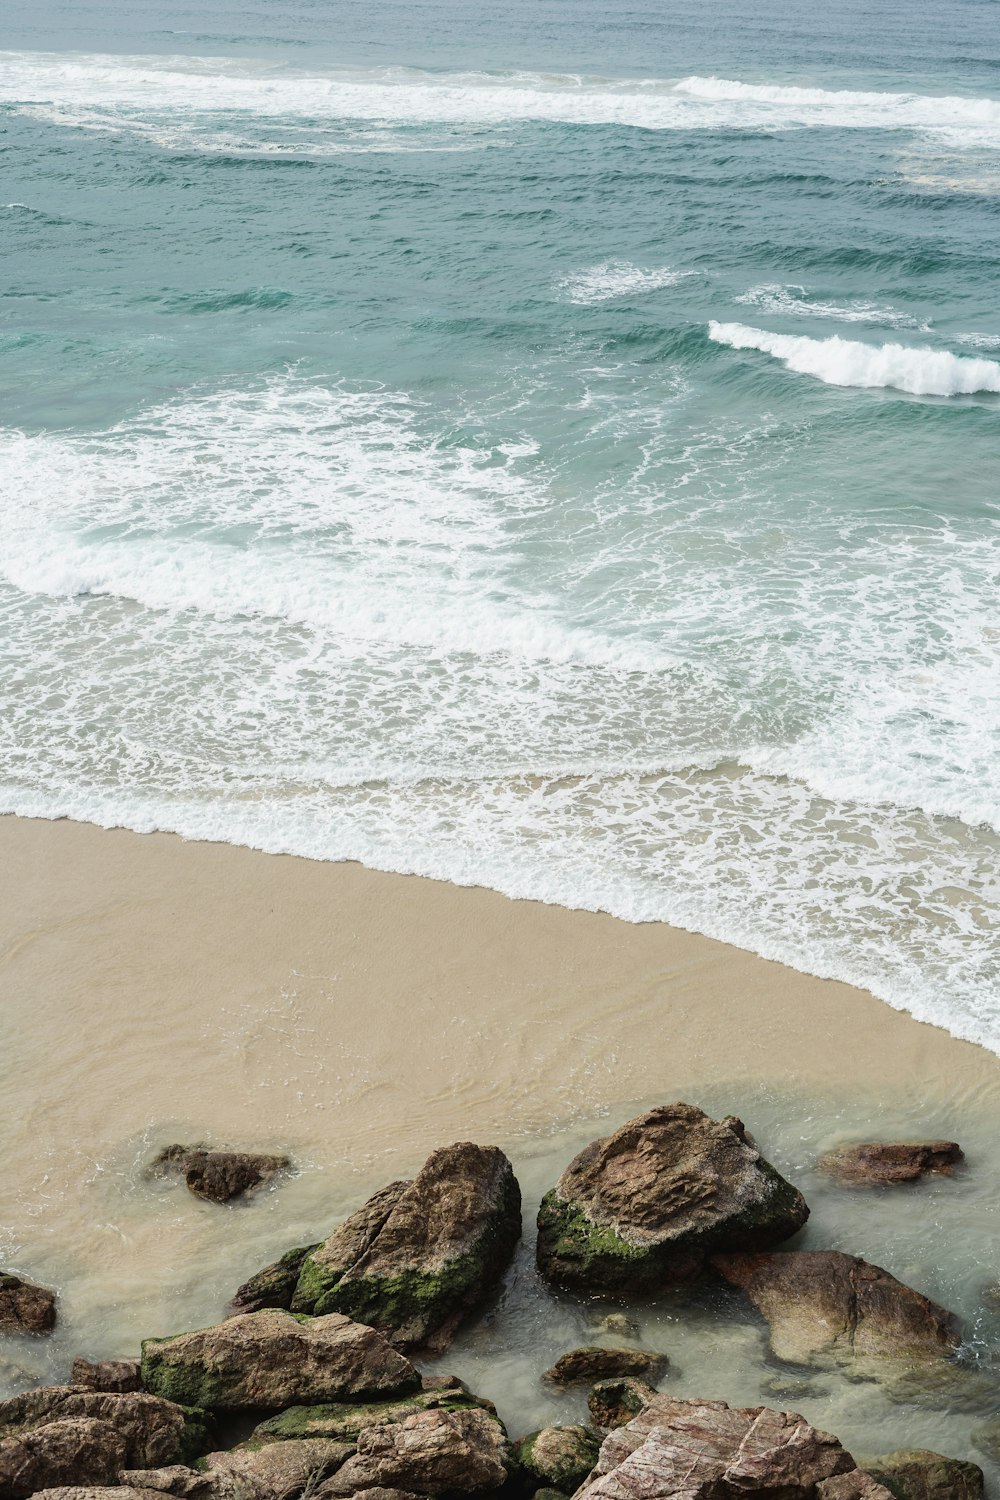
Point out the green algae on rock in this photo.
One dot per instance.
(612, 1403)
(344, 1421)
(559, 1458)
(419, 1256)
(644, 1207)
(917, 1474)
(270, 1360)
(274, 1286)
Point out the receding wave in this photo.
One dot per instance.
(776, 298)
(837, 361)
(182, 100)
(617, 278)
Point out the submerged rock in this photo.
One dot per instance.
(151, 1430)
(420, 1255)
(559, 1457)
(706, 1450)
(826, 1308)
(270, 1360)
(345, 1421)
(612, 1403)
(219, 1175)
(25, 1307)
(107, 1374)
(597, 1363)
(275, 1472)
(430, 1453)
(274, 1286)
(916, 1474)
(644, 1207)
(880, 1162)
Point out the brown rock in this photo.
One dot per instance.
(219, 1175)
(706, 1450)
(152, 1431)
(825, 1308)
(916, 1474)
(96, 1492)
(270, 1473)
(270, 1360)
(77, 1450)
(274, 1286)
(597, 1363)
(421, 1255)
(430, 1453)
(107, 1374)
(854, 1486)
(645, 1206)
(612, 1403)
(344, 1421)
(878, 1162)
(25, 1307)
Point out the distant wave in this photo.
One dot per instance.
(617, 278)
(837, 361)
(177, 100)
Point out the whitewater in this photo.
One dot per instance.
(567, 472)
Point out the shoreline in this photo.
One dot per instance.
(263, 995)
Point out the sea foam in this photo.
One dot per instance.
(837, 361)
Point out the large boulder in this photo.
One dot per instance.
(269, 1360)
(706, 1450)
(151, 1430)
(345, 1421)
(826, 1308)
(430, 1453)
(420, 1255)
(278, 1471)
(916, 1474)
(76, 1450)
(559, 1458)
(644, 1207)
(219, 1175)
(274, 1286)
(595, 1362)
(25, 1307)
(875, 1163)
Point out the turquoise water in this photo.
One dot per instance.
(552, 448)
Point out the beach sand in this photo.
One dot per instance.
(155, 991)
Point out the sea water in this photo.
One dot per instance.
(550, 446)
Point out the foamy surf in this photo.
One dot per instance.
(837, 361)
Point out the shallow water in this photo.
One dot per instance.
(550, 449)
(134, 1257)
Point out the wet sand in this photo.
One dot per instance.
(265, 998)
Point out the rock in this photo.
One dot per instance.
(153, 1431)
(345, 1421)
(916, 1474)
(620, 1324)
(942, 1386)
(274, 1286)
(25, 1307)
(826, 1308)
(456, 1452)
(644, 1207)
(612, 1403)
(269, 1360)
(559, 1457)
(706, 1450)
(275, 1472)
(219, 1175)
(877, 1162)
(96, 1492)
(987, 1439)
(419, 1256)
(76, 1450)
(107, 1374)
(793, 1388)
(596, 1363)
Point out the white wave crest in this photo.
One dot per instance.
(837, 361)
(617, 278)
(186, 100)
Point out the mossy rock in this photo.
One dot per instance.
(916, 1474)
(612, 1403)
(343, 1421)
(275, 1285)
(558, 1457)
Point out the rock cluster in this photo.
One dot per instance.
(306, 1392)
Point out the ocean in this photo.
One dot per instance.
(552, 447)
